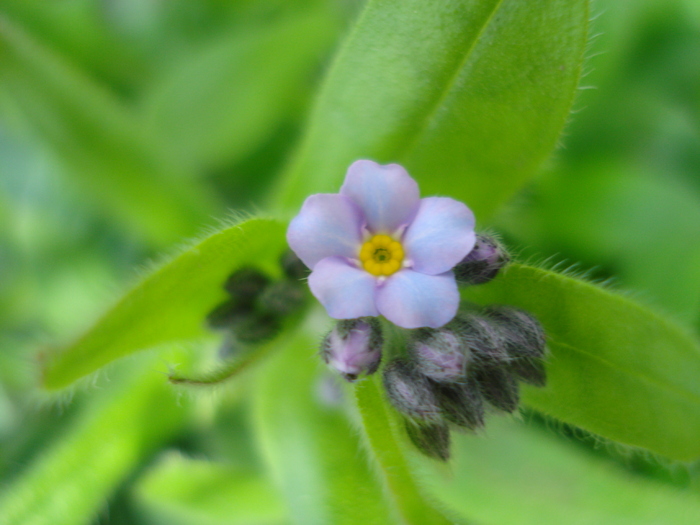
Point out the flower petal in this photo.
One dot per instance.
(412, 300)
(345, 291)
(387, 195)
(440, 236)
(327, 225)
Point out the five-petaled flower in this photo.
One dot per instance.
(378, 248)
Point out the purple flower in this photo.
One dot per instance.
(377, 248)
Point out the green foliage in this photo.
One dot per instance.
(451, 90)
(182, 491)
(70, 481)
(617, 217)
(386, 440)
(309, 445)
(156, 115)
(523, 474)
(219, 104)
(172, 303)
(616, 368)
(100, 143)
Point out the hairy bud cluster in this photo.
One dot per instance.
(452, 373)
(256, 305)
(483, 263)
(353, 347)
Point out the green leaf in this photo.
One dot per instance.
(182, 491)
(521, 475)
(313, 453)
(606, 215)
(171, 303)
(101, 144)
(469, 95)
(71, 480)
(222, 101)
(616, 368)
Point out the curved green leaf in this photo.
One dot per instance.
(546, 480)
(616, 368)
(469, 95)
(311, 449)
(172, 303)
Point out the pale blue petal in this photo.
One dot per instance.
(440, 236)
(387, 195)
(345, 291)
(327, 225)
(412, 300)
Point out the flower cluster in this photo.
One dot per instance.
(449, 374)
(377, 248)
(256, 305)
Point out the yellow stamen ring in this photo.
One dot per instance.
(381, 255)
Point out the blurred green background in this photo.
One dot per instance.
(128, 126)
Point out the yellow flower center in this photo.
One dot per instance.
(381, 255)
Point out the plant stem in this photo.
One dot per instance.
(382, 432)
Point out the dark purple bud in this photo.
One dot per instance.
(482, 338)
(522, 333)
(483, 263)
(432, 440)
(410, 392)
(293, 267)
(529, 370)
(439, 354)
(498, 387)
(227, 314)
(353, 347)
(462, 403)
(524, 341)
(257, 328)
(246, 284)
(282, 297)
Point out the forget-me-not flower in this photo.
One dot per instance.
(377, 248)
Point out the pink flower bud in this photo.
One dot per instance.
(353, 347)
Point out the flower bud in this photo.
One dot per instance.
(257, 328)
(531, 371)
(432, 440)
(524, 341)
(439, 354)
(227, 314)
(246, 284)
(353, 346)
(411, 392)
(482, 338)
(462, 403)
(293, 267)
(523, 334)
(498, 387)
(483, 263)
(282, 297)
